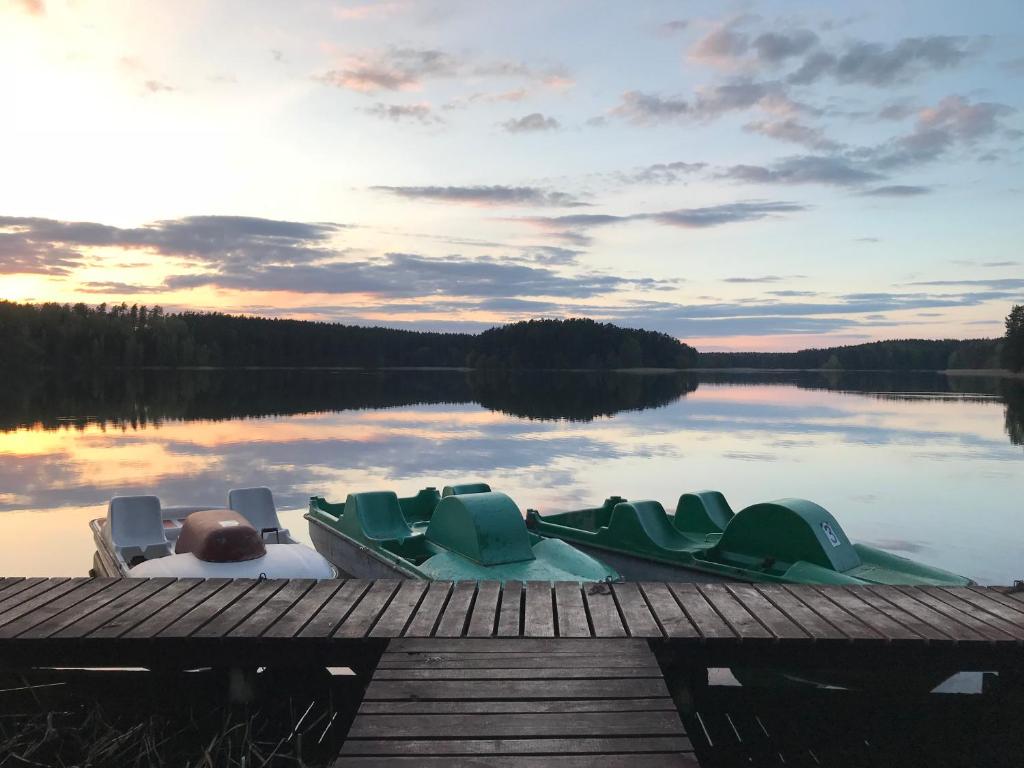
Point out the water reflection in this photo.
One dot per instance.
(929, 476)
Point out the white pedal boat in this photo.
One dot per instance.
(140, 538)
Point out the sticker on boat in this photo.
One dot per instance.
(830, 534)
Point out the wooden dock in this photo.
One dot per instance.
(517, 702)
(195, 622)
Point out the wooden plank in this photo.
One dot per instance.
(655, 760)
(665, 608)
(485, 609)
(539, 615)
(635, 612)
(887, 627)
(492, 726)
(518, 689)
(293, 621)
(518, 673)
(36, 584)
(959, 632)
(52, 609)
(456, 612)
(263, 617)
(394, 620)
(700, 613)
(746, 626)
(83, 609)
(989, 601)
(833, 614)
(510, 616)
(978, 607)
(814, 625)
(364, 615)
(33, 596)
(604, 613)
(922, 629)
(115, 619)
(424, 621)
(335, 610)
(571, 612)
(208, 609)
(999, 596)
(622, 745)
(51, 589)
(780, 625)
(526, 706)
(9, 582)
(567, 645)
(171, 610)
(507, 661)
(234, 614)
(967, 618)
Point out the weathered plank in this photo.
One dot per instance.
(207, 610)
(366, 612)
(511, 609)
(814, 625)
(667, 612)
(234, 614)
(495, 726)
(527, 706)
(456, 612)
(570, 610)
(559, 645)
(52, 609)
(960, 632)
(700, 613)
(629, 688)
(887, 627)
(604, 613)
(81, 608)
(743, 623)
(334, 611)
(424, 621)
(400, 610)
(296, 618)
(516, 673)
(656, 760)
(485, 609)
(771, 617)
(539, 616)
(635, 612)
(835, 615)
(170, 611)
(624, 745)
(260, 620)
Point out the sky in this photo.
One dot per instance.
(743, 176)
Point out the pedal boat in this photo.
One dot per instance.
(140, 538)
(462, 535)
(790, 541)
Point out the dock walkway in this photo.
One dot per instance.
(197, 622)
(517, 702)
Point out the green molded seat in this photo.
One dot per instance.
(457, 490)
(375, 516)
(703, 512)
(487, 528)
(642, 523)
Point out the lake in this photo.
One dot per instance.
(924, 465)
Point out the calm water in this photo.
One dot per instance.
(926, 466)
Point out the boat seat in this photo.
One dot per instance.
(458, 490)
(135, 527)
(376, 516)
(702, 512)
(487, 528)
(257, 506)
(645, 522)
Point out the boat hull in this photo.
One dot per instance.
(352, 559)
(644, 569)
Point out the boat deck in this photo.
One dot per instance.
(178, 622)
(518, 702)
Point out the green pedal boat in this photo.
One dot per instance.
(790, 541)
(469, 533)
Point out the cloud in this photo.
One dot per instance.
(515, 95)
(804, 169)
(418, 113)
(569, 227)
(763, 279)
(531, 123)
(792, 131)
(391, 70)
(157, 86)
(20, 254)
(875, 64)
(674, 26)
(413, 275)
(898, 190)
(777, 47)
(660, 173)
(709, 103)
(643, 108)
(227, 240)
(486, 195)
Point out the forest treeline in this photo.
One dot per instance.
(80, 337)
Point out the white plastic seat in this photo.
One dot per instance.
(136, 528)
(257, 506)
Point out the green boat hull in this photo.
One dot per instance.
(789, 541)
(474, 535)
